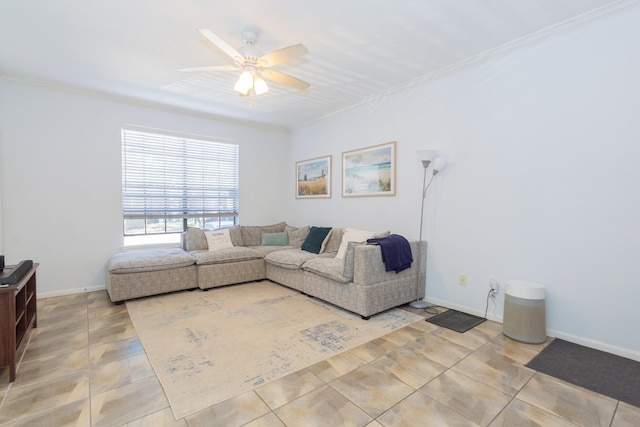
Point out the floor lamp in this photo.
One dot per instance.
(426, 156)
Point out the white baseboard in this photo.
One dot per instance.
(64, 292)
(468, 310)
(618, 351)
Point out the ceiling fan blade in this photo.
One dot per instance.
(281, 55)
(222, 45)
(210, 68)
(285, 79)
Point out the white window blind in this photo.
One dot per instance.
(167, 177)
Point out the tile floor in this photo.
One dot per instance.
(84, 366)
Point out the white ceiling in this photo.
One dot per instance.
(358, 49)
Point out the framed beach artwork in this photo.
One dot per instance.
(313, 178)
(369, 171)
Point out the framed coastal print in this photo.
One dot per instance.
(369, 171)
(313, 178)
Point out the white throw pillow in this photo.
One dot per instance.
(218, 239)
(353, 235)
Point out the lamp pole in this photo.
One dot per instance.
(420, 303)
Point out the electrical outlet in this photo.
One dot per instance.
(494, 286)
(462, 280)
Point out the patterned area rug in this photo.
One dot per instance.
(206, 347)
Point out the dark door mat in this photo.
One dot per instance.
(456, 320)
(604, 373)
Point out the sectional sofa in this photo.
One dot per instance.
(333, 264)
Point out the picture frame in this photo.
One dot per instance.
(313, 178)
(369, 171)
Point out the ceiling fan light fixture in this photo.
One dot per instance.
(244, 83)
(260, 86)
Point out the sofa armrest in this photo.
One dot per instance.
(369, 269)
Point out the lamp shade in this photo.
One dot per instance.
(426, 156)
(260, 86)
(244, 83)
(439, 164)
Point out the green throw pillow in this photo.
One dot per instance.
(313, 242)
(275, 239)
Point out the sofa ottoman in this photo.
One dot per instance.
(135, 274)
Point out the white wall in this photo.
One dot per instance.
(542, 184)
(61, 177)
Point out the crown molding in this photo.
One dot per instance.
(556, 30)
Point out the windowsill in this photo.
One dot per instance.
(157, 241)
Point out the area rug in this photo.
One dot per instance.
(456, 320)
(206, 347)
(604, 373)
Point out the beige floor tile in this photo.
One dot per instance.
(111, 328)
(626, 416)
(284, 390)
(466, 396)
(49, 367)
(43, 396)
(420, 410)
(521, 414)
(471, 339)
(117, 317)
(439, 349)
(320, 408)
(374, 349)
(423, 327)
(127, 403)
(493, 369)
(516, 350)
(567, 401)
(45, 343)
(73, 321)
(116, 350)
(410, 367)
(76, 414)
(489, 328)
(68, 302)
(336, 366)
(86, 347)
(404, 335)
(268, 420)
(116, 374)
(98, 310)
(373, 390)
(163, 418)
(233, 412)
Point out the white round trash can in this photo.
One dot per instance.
(524, 312)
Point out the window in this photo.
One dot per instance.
(172, 182)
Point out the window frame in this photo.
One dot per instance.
(168, 175)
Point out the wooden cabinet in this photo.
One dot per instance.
(18, 313)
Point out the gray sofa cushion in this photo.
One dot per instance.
(297, 235)
(347, 269)
(252, 234)
(149, 260)
(331, 268)
(263, 251)
(290, 258)
(335, 238)
(236, 253)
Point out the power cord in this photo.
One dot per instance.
(432, 309)
(491, 293)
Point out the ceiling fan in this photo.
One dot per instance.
(254, 65)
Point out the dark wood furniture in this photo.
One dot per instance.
(18, 313)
